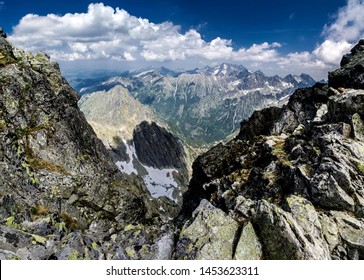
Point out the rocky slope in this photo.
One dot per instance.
(205, 105)
(290, 185)
(61, 195)
(115, 112)
(138, 145)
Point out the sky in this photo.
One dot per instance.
(276, 37)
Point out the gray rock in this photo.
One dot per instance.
(62, 195)
(358, 127)
(210, 234)
(249, 246)
(282, 236)
(351, 231)
(2, 33)
(327, 193)
(330, 231)
(158, 148)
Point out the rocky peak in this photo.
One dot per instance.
(2, 33)
(157, 147)
(225, 70)
(351, 73)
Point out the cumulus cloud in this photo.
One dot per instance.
(331, 52)
(342, 34)
(349, 23)
(107, 33)
(339, 37)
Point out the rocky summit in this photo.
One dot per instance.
(290, 185)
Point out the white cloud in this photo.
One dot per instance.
(339, 37)
(349, 23)
(259, 52)
(331, 52)
(342, 34)
(105, 33)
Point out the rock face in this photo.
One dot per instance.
(157, 147)
(351, 73)
(292, 181)
(2, 33)
(61, 195)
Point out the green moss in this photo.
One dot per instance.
(360, 167)
(74, 256)
(61, 227)
(38, 164)
(241, 176)
(94, 246)
(133, 227)
(39, 210)
(10, 221)
(117, 140)
(131, 252)
(39, 239)
(5, 58)
(307, 169)
(2, 125)
(113, 237)
(280, 153)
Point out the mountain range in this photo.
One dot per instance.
(203, 105)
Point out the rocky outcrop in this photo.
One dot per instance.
(2, 33)
(351, 73)
(61, 195)
(292, 180)
(289, 186)
(157, 147)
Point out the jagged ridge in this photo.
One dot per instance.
(290, 185)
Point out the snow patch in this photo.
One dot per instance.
(160, 182)
(128, 166)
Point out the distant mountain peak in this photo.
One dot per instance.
(224, 69)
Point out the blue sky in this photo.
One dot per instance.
(277, 37)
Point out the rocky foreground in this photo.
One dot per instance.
(289, 186)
